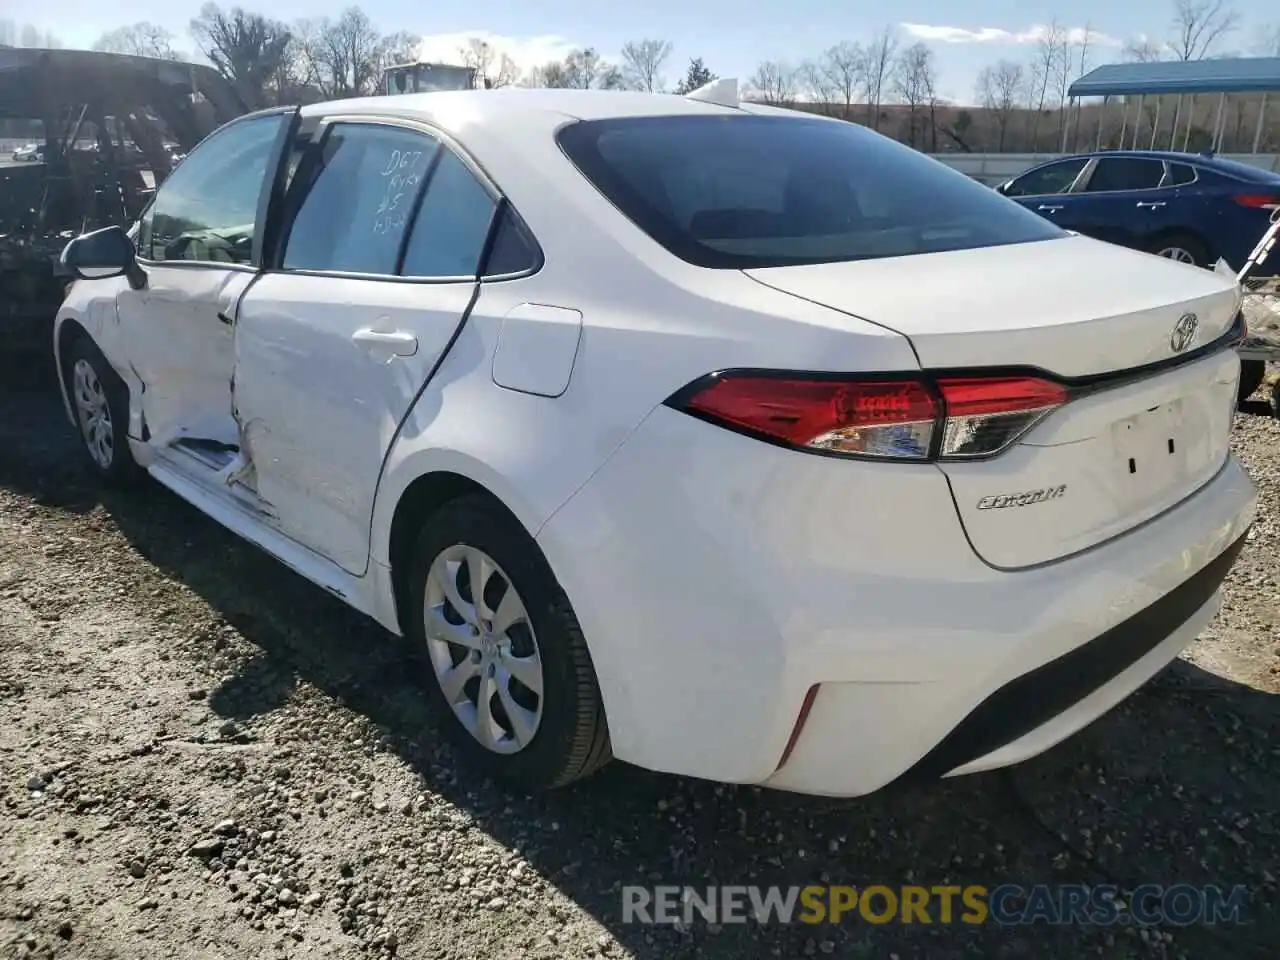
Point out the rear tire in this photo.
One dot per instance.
(1252, 373)
(1183, 247)
(491, 655)
(100, 404)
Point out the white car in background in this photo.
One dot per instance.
(726, 440)
(30, 153)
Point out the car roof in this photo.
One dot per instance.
(1178, 156)
(551, 107)
(1224, 165)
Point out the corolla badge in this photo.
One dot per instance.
(1184, 332)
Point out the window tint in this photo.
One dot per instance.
(1125, 173)
(1051, 178)
(359, 191)
(1180, 173)
(514, 250)
(207, 208)
(452, 223)
(750, 191)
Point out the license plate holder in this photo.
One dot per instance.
(1150, 450)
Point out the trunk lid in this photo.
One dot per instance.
(1073, 306)
(1076, 308)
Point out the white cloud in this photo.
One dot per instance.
(527, 52)
(1033, 34)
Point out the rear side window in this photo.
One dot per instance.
(1125, 173)
(452, 224)
(1180, 173)
(362, 187)
(737, 192)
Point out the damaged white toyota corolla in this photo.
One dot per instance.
(727, 441)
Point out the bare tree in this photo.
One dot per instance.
(493, 69)
(139, 40)
(774, 83)
(581, 69)
(1198, 26)
(245, 47)
(1085, 47)
(553, 75)
(838, 75)
(914, 81)
(1044, 72)
(1064, 67)
(642, 63)
(812, 84)
(1144, 50)
(345, 57)
(878, 68)
(998, 89)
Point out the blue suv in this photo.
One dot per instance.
(1189, 207)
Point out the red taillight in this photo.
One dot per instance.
(875, 418)
(895, 419)
(1257, 201)
(985, 415)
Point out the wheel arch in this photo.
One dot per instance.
(67, 329)
(1160, 237)
(418, 488)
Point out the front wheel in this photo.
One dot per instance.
(508, 670)
(100, 402)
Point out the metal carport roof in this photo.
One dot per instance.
(1235, 75)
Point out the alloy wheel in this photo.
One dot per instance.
(1177, 253)
(483, 649)
(94, 414)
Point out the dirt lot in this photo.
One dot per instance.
(203, 756)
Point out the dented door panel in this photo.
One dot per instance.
(180, 342)
(326, 370)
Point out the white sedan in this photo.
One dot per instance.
(729, 441)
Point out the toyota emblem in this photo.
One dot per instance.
(1184, 332)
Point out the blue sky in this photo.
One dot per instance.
(730, 36)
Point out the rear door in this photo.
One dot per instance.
(375, 273)
(1125, 200)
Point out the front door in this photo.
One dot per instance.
(195, 246)
(1046, 189)
(335, 343)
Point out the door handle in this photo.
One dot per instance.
(389, 343)
(1150, 204)
(1044, 207)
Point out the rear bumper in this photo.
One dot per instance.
(1049, 696)
(718, 580)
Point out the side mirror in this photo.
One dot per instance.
(101, 254)
(1003, 188)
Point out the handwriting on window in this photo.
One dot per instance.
(400, 175)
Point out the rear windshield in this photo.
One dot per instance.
(736, 192)
(1245, 171)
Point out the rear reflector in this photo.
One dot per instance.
(1257, 201)
(898, 419)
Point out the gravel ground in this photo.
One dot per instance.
(201, 755)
